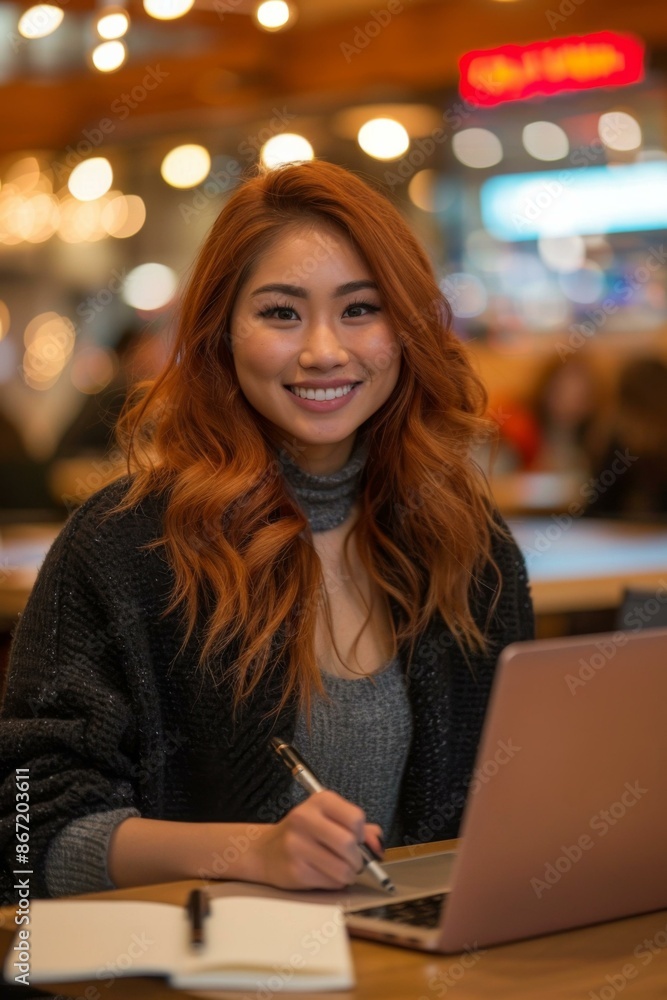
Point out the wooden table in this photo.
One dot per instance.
(576, 564)
(536, 493)
(575, 965)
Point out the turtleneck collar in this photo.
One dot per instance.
(326, 500)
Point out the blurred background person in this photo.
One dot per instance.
(631, 474)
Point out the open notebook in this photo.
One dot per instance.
(254, 944)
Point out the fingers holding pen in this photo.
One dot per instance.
(316, 845)
(336, 828)
(337, 841)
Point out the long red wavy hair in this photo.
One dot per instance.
(240, 548)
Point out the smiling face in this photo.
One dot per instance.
(310, 316)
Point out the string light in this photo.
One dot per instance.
(108, 56)
(40, 21)
(288, 147)
(273, 15)
(383, 138)
(186, 166)
(112, 22)
(167, 10)
(90, 179)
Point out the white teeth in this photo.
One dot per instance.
(321, 393)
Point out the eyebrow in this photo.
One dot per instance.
(299, 292)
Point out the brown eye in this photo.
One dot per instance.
(356, 309)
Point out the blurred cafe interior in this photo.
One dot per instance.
(526, 143)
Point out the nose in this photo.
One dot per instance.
(322, 346)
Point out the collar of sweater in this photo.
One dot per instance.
(326, 500)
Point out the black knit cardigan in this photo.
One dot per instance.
(107, 713)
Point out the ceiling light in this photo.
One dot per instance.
(186, 166)
(113, 22)
(167, 10)
(383, 138)
(90, 179)
(39, 21)
(273, 15)
(417, 119)
(149, 286)
(108, 56)
(619, 131)
(477, 147)
(285, 148)
(545, 141)
(564, 254)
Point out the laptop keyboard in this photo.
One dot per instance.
(422, 912)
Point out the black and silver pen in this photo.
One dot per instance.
(305, 777)
(198, 910)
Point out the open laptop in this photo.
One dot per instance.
(567, 825)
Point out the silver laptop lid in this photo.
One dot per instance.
(566, 818)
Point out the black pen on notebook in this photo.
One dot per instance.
(305, 777)
(198, 909)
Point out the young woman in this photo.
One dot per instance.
(304, 548)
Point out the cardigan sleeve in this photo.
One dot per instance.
(67, 718)
(513, 617)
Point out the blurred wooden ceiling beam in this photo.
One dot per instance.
(238, 70)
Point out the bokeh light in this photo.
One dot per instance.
(40, 21)
(273, 15)
(430, 192)
(149, 286)
(477, 147)
(90, 179)
(123, 215)
(383, 138)
(285, 148)
(620, 131)
(562, 253)
(108, 56)
(49, 341)
(4, 320)
(186, 166)
(92, 369)
(112, 23)
(545, 141)
(585, 285)
(167, 10)
(465, 293)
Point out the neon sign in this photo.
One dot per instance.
(580, 62)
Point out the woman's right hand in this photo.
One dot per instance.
(316, 845)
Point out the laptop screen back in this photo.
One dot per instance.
(567, 811)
